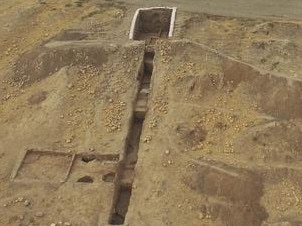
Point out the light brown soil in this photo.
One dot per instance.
(88, 137)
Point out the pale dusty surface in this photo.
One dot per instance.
(221, 142)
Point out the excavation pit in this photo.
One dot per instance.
(109, 177)
(121, 208)
(42, 166)
(85, 179)
(100, 167)
(88, 158)
(49, 166)
(152, 23)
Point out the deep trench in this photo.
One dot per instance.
(125, 180)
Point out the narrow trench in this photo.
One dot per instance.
(125, 181)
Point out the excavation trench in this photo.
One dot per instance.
(125, 180)
(151, 22)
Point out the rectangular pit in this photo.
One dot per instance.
(152, 23)
(91, 168)
(121, 207)
(56, 167)
(43, 166)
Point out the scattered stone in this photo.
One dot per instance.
(39, 214)
(208, 216)
(147, 139)
(145, 91)
(20, 199)
(26, 202)
(113, 115)
(201, 216)
(167, 152)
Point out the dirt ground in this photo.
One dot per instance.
(96, 129)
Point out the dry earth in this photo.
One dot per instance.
(88, 137)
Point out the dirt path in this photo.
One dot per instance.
(287, 9)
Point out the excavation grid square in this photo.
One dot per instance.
(48, 166)
(44, 166)
(92, 168)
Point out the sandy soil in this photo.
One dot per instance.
(88, 137)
